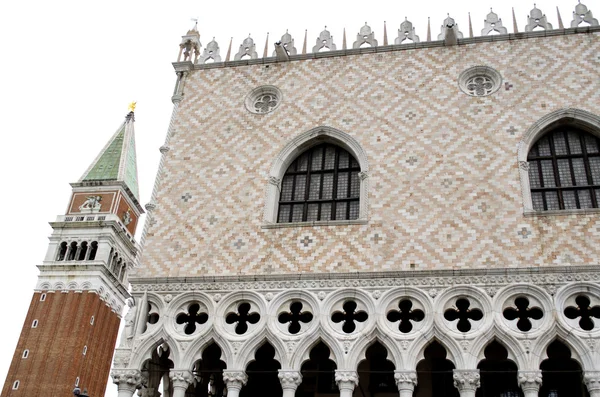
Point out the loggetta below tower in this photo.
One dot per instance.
(71, 327)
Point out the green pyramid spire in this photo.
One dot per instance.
(117, 160)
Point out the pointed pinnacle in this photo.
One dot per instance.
(344, 40)
(385, 40)
(470, 26)
(305, 37)
(266, 51)
(515, 28)
(560, 22)
(229, 51)
(428, 29)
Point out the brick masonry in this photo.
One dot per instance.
(444, 189)
(56, 346)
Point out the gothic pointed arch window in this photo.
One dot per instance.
(564, 170)
(321, 184)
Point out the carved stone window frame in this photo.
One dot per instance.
(292, 150)
(480, 71)
(257, 93)
(578, 118)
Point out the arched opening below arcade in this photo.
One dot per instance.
(561, 375)
(498, 373)
(434, 373)
(263, 374)
(208, 374)
(318, 374)
(376, 374)
(156, 370)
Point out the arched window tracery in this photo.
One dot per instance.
(564, 170)
(321, 184)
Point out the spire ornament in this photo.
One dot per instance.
(493, 24)
(324, 42)
(131, 106)
(365, 36)
(582, 14)
(211, 53)
(406, 33)
(537, 18)
(287, 42)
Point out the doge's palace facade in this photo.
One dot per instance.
(414, 217)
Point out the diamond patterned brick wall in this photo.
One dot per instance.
(444, 179)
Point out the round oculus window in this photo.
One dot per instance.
(479, 81)
(263, 99)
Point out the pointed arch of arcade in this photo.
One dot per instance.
(577, 118)
(148, 346)
(297, 146)
(247, 354)
(510, 343)
(196, 348)
(304, 347)
(359, 351)
(417, 353)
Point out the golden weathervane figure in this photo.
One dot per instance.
(132, 106)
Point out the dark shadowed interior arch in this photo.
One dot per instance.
(376, 374)
(498, 373)
(434, 373)
(263, 374)
(561, 375)
(208, 374)
(318, 374)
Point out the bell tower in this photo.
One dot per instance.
(69, 334)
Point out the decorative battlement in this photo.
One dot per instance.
(191, 56)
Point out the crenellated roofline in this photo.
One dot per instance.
(188, 65)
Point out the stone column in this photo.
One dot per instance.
(127, 381)
(530, 382)
(234, 380)
(180, 380)
(346, 381)
(406, 382)
(466, 381)
(290, 380)
(592, 382)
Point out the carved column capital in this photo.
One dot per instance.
(127, 379)
(181, 378)
(466, 379)
(530, 380)
(346, 380)
(524, 165)
(290, 379)
(234, 379)
(405, 380)
(363, 175)
(592, 381)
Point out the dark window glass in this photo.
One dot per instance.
(564, 170)
(322, 184)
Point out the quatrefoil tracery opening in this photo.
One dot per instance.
(243, 317)
(265, 103)
(294, 317)
(405, 316)
(463, 314)
(523, 312)
(585, 311)
(349, 316)
(191, 318)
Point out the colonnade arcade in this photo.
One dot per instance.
(462, 341)
(435, 375)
